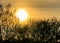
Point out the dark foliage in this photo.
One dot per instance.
(35, 31)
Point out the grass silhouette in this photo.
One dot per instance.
(35, 31)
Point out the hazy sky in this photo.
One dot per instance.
(41, 8)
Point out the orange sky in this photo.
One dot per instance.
(37, 8)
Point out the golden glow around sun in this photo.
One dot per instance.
(22, 15)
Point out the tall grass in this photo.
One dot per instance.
(36, 30)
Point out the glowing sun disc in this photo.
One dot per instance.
(22, 15)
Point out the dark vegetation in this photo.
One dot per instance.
(35, 31)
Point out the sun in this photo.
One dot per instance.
(22, 15)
